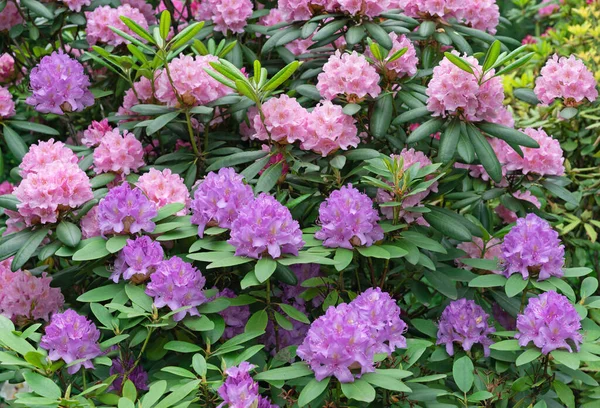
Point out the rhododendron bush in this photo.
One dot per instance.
(301, 203)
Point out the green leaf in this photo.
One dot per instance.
(447, 226)
(93, 248)
(178, 394)
(526, 95)
(157, 390)
(257, 322)
(507, 134)
(68, 233)
(565, 394)
(560, 192)
(374, 251)
(518, 63)
(528, 356)
(328, 30)
(116, 243)
(426, 29)
(38, 8)
(342, 257)
(138, 29)
(165, 24)
(294, 313)
(425, 130)
(100, 294)
(281, 76)
(492, 55)
(411, 115)
(9, 202)
(382, 115)
(186, 34)
(506, 345)
(449, 141)
(15, 143)
(487, 281)
(424, 242)
(588, 287)
(355, 34)
(379, 35)
(167, 211)
(34, 127)
(42, 386)
(359, 390)
(102, 180)
(139, 297)
(269, 178)
(264, 269)
(485, 153)
(312, 390)
(199, 364)
(566, 358)
(515, 285)
(160, 122)
(459, 62)
(198, 323)
(384, 381)
(182, 347)
(151, 110)
(462, 371)
(28, 248)
(236, 158)
(291, 372)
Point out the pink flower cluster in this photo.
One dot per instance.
(347, 337)
(148, 10)
(265, 226)
(23, 295)
(102, 18)
(406, 65)
(164, 187)
(227, 15)
(7, 68)
(350, 75)
(324, 130)
(9, 16)
(549, 9)
(304, 9)
(177, 284)
(192, 84)
(454, 92)
(142, 92)
(95, 132)
(76, 5)
(480, 14)
(329, 129)
(89, 224)
(547, 160)
(7, 105)
(118, 153)
(509, 216)
(218, 199)
(296, 47)
(348, 219)
(567, 79)
(551, 322)
(52, 183)
(408, 157)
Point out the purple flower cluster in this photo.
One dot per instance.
(265, 226)
(239, 389)
(550, 321)
(125, 210)
(533, 247)
(70, 337)
(464, 322)
(347, 337)
(138, 376)
(177, 284)
(59, 85)
(137, 260)
(348, 219)
(218, 199)
(235, 317)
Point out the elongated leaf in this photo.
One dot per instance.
(359, 390)
(15, 143)
(507, 134)
(186, 34)
(379, 35)
(165, 24)
(411, 115)
(68, 233)
(269, 178)
(382, 115)
(485, 153)
(38, 8)
(329, 29)
(447, 226)
(160, 122)
(29, 247)
(425, 130)
(237, 158)
(459, 62)
(462, 371)
(138, 29)
(282, 76)
(296, 370)
(492, 55)
(312, 390)
(449, 141)
(42, 386)
(264, 269)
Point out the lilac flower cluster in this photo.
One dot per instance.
(265, 226)
(239, 389)
(126, 211)
(70, 337)
(533, 247)
(551, 322)
(177, 284)
(347, 337)
(138, 376)
(138, 260)
(218, 199)
(464, 322)
(348, 219)
(59, 85)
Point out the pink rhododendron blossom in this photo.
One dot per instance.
(567, 79)
(406, 65)
(350, 75)
(7, 105)
(193, 85)
(549, 9)
(6, 187)
(141, 93)
(285, 121)
(102, 18)
(76, 5)
(477, 250)
(329, 129)
(44, 153)
(9, 16)
(89, 224)
(93, 135)
(164, 187)
(547, 160)
(7, 68)
(118, 153)
(148, 9)
(227, 15)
